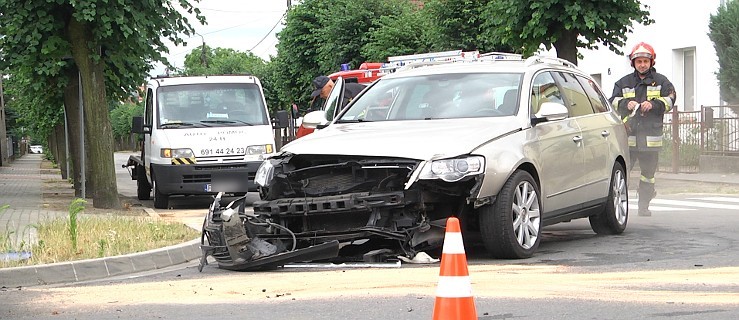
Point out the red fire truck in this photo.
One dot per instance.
(366, 74)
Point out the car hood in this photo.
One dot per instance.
(422, 140)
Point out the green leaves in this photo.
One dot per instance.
(722, 32)
(528, 24)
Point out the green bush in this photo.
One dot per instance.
(121, 116)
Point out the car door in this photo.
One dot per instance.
(596, 169)
(559, 150)
(601, 130)
(333, 101)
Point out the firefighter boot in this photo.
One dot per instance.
(646, 193)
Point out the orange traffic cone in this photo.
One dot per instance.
(454, 292)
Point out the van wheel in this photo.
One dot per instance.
(161, 201)
(612, 220)
(511, 227)
(143, 188)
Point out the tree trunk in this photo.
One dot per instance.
(52, 149)
(72, 108)
(61, 147)
(98, 131)
(566, 46)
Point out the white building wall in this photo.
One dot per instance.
(679, 25)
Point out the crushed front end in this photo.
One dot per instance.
(339, 208)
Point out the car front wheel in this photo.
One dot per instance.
(511, 227)
(613, 218)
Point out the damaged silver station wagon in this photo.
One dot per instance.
(508, 145)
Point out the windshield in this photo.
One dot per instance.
(441, 96)
(210, 105)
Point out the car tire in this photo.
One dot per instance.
(511, 226)
(613, 218)
(161, 201)
(143, 188)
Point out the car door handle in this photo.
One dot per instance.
(605, 133)
(577, 139)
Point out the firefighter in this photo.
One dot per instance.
(322, 86)
(642, 98)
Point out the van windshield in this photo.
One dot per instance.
(210, 105)
(439, 96)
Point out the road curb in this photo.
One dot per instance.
(100, 268)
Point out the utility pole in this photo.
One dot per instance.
(203, 56)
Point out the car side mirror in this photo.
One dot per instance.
(314, 119)
(550, 111)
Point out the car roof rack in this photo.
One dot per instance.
(407, 62)
(544, 59)
(495, 56)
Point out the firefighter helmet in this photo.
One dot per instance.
(642, 50)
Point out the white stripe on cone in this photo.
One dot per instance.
(453, 243)
(454, 287)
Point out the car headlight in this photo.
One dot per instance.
(177, 153)
(264, 173)
(451, 170)
(260, 149)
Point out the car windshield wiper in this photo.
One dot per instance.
(354, 121)
(243, 122)
(217, 121)
(239, 122)
(176, 124)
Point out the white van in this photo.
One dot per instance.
(201, 135)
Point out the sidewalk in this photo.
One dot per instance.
(21, 187)
(725, 178)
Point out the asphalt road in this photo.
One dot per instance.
(676, 264)
(680, 263)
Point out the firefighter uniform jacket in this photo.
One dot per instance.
(645, 128)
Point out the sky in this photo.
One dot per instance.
(243, 25)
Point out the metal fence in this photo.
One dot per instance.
(714, 130)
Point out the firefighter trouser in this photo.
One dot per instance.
(648, 161)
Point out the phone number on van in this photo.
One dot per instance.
(222, 151)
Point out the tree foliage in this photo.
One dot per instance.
(458, 24)
(213, 61)
(411, 31)
(36, 121)
(565, 24)
(122, 115)
(723, 28)
(319, 36)
(111, 43)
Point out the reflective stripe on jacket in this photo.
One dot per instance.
(645, 128)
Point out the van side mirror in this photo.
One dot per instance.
(137, 125)
(282, 119)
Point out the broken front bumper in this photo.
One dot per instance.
(281, 231)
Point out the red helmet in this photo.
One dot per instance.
(642, 50)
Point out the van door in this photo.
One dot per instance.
(148, 121)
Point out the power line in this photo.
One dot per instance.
(270, 31)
